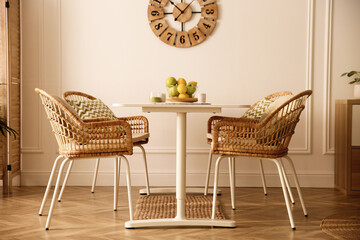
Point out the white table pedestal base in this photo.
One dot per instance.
(175, 222)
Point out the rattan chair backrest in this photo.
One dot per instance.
(75, 95)
(279, 126)
(65, 124)
(79, 139)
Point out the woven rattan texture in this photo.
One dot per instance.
(77, 138)
(268, 138)
(342, 226)
(138, 124)
(164, 206)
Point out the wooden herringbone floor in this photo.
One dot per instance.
(82, 215)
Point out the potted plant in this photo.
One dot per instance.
(5, 128)
(355, 81)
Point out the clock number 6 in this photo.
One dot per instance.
(182, 39)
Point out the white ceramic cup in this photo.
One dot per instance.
(202, 97)
(163, 97)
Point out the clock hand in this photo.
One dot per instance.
(172, 3)
(183, 10)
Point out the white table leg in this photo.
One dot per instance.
(180, 164)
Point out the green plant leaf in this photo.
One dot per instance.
(343, 74)
(4, 126)
(352, 73)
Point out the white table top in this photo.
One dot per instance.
(180, 107)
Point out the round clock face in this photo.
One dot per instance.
(173, 20)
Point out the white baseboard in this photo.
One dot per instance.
(168, 179)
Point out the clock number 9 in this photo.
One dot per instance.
(158, 26)
(155, 13)
(208, 11)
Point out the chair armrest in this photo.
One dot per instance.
(215, 119)
(138, 124)
(106, 132)
(234, 134)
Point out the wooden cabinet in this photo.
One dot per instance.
(347, 146)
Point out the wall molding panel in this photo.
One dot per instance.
(39, 80)
(327, 149)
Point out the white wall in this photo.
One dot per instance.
(258, 47)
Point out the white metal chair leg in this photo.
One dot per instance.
(146, 170)
(282, 181)
(262, 176)
(208, 174)
(287, 181)
(49, 184)
(116, 176)
(232, 180)
(216, 179)
(95, 175)
(297, 185)
(128, 179)
(48, 221)
(65, 180)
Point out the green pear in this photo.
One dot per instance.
(171, 81)
(173, 92)
(191, 88)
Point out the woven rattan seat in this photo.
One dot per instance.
(139, 128)
(78, 139)
(259, 139)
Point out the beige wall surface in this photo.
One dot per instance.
(107, 49)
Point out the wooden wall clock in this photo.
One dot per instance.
(180, 14)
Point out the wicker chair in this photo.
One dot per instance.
(266, 139)
(140, 132)
(211, 123)
(78, 139)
